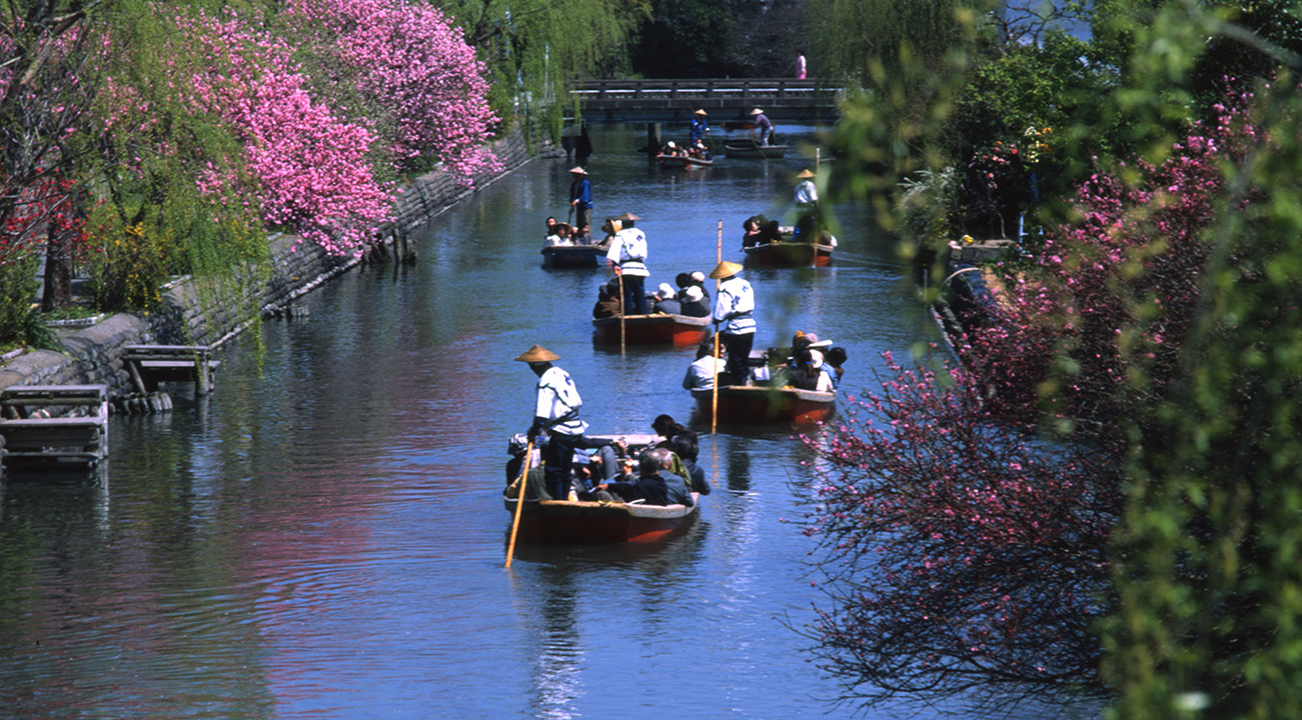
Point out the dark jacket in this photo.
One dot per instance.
(657, 489)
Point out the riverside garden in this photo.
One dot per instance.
(1096, 500)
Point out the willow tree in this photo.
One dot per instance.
(536, 48)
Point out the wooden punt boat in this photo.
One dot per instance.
(555, 521)
(574, 256)
(683, 161)
(659, 329)
(788, 255)
(764, 404)
(752, 149)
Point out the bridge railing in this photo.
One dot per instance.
(705, 89)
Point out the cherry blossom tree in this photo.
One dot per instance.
(412, 72)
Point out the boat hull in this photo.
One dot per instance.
(651, 330)
(678, 161)
(759, 404)
(787, 255)
(549, 521)
(573, 256)
(753, 150)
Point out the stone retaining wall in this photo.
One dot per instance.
(193, 315)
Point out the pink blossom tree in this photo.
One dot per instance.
(412, 74)
(963, 551)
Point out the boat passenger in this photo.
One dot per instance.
(608, 304)
(705, 370)
(692, 303)
(833, 362)
(560, 236)
(654, 486)
(582, 235)
(627, 255)
(699, 151)
(735, 308)
(610, 227)
(551, 223)
(687, 452)
(516, 447)
(666, 300)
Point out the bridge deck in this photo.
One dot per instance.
(783, 99)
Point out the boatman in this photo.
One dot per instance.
(557, 412)
(734, 317)
(764, 129)
(627, 255)
(806, 201)
(700, 127)
(581, 199)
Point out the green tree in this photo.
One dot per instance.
(535, 48)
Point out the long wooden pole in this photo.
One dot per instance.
(714, 396)
(519, 506)
(622, 311)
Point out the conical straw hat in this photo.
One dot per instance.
(537, 354)
(725, 269)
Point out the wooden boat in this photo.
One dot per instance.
(788, 254)
(659, 329)
(574, 256)
(554, 521)
(557, 521)
(751, 404)
(752, 149)
(683, 161)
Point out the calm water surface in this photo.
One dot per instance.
(324, 538)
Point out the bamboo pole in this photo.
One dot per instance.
(623, 310)
(519, 506)
(714, 396)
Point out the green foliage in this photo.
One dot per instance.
(17, 290)
(152, 219)
(535, 48)
(691, 38)
(870, 40)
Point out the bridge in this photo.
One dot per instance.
(725, 99)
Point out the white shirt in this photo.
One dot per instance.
(557, 396)
(628, 251)
(699, 375)
(734, 306)
(806, 193)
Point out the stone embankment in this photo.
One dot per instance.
(194, 314)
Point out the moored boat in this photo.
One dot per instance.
(750, 404)
(658, 329)
(752, 149)
(574, 256)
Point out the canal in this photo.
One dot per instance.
(324, 537)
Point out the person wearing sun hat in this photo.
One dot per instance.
(764, 129)
(581, 199)
(734, 316)
(806, 201)
(627, 255)
(556, 411)
(700, 127)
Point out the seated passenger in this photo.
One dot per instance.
(560, 235)
(834, 359)
(666, 300)
(536, 479)
(653, 485)
(609, 302)
(687, 451)
(705, 370)
(692, 303)
(551, 223)
(752, 235)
